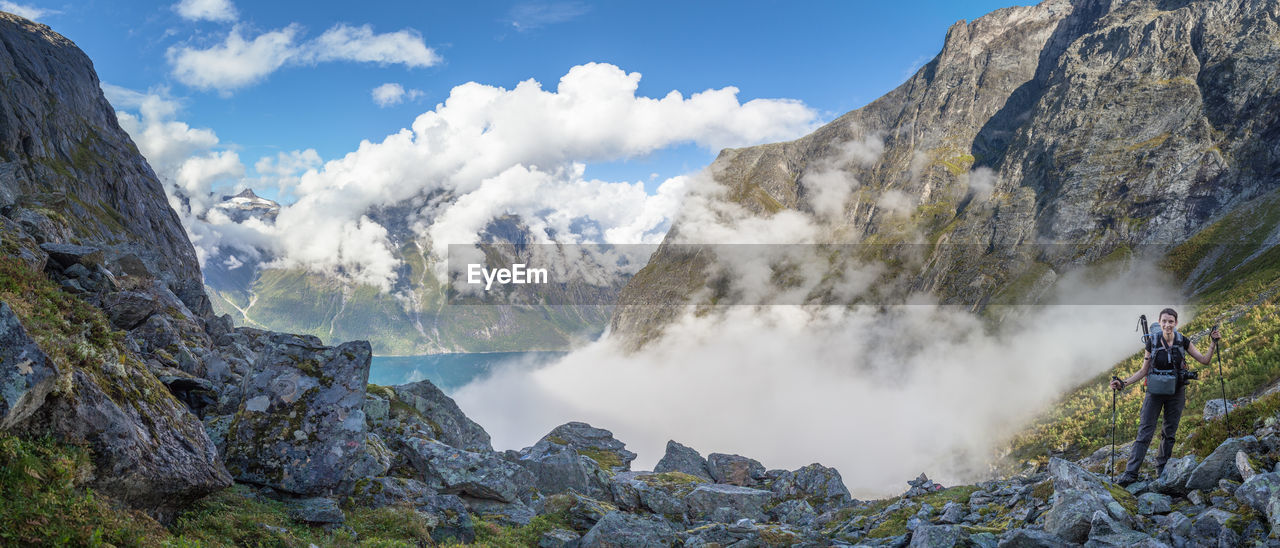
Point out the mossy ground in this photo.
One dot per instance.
(43, 501)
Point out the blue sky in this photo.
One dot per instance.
(565, 114)
(832, 56)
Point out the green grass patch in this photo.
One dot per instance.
(235, 517)
(42, 503)
(608, 460)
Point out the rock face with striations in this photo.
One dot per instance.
(66, 163)
(79, 207)
(1104, 125)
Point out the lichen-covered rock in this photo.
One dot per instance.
(149, 451)
(481, 475)
(931, 536)
(1176, 473)
(128, 309)
(442, 413)
(507, 514)
(27, 374)
(817, 483)
(1071, 516)
(557, 467)
(1106, 532)
(704, 500)
(69, 255)
(679, 458)
(660, 493)
(450, 520)
(301, 426)
(597, 444)
(1031, 538)
(796, 512)
(316, 510)
(387, 491)
(623, 530)
(558, 538)
(1154, 503)
(735, 470)
(1221, 464)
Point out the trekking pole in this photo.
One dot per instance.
(1222, 381)
(1112, 468)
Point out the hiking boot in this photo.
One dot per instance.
(1125, 480)
(1159, 472)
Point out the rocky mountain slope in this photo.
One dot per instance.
(124, 400)
(1039, 139)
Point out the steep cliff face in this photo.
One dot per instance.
(68, 170)
(1095, 124)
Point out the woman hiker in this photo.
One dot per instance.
(1166, 391)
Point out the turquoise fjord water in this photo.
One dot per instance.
(452, 371)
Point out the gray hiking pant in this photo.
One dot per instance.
(1152, 407)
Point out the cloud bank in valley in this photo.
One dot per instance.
(882, 393)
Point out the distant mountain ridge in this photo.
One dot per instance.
(1103, 125)
(413, 317)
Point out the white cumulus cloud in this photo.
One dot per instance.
(238, 61)
(24, 10)
(392, 93)
(206, 10)
(490, 151)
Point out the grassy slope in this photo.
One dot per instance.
(1243, 297)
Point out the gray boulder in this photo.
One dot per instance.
(1244, 466)
(1221, 464)
(148, 450)
(128, 309)
(1071, 516)
(386, 491)
(931, 536)
(597, 444)
(1262, 493)
(815, 482)
(450, 520)
(1106, 532)
(1031, 538)
(557, 468)
(558, 538)
(658, 493)
(452, 426)
(741, 533)
(301, 427)
(796, 512)
(623, 530)
(507, 514)
(679, 458)
(1154, 503)
(1174, 479)
(704, 500)
(481, 475)
(68, 255)
(316, 510)
(952, 513)
(27, 374)
(582, 513)
(735, 470)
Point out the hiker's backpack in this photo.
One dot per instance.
(1175, 355)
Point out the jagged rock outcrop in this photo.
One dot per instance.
(71, 173)
(1039, 139)
(27, 374)
(301, 427)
